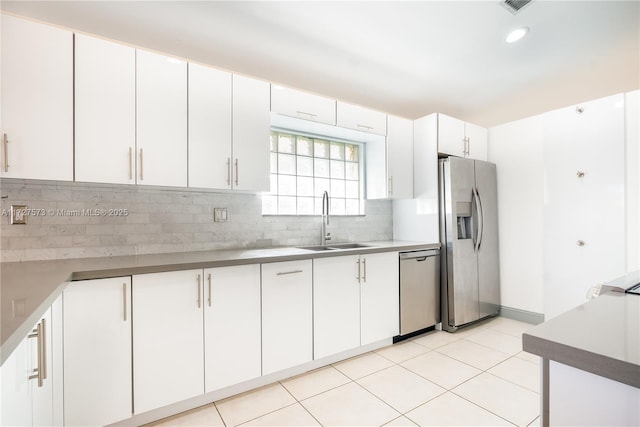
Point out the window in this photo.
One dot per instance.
(304, 167)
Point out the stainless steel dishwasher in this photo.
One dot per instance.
(419, 290)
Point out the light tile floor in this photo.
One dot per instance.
(477, 376)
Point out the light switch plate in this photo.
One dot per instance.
(18, 214)
(220, 215)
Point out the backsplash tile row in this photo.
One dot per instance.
(144, 220)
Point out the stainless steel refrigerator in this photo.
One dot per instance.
(470, 276)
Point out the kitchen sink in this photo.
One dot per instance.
(337, 246)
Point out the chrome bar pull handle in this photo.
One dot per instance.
(283, 273)
(236, 172)
(364, 268)
(209, 298)
(390, 189)
(359, 271)
(141, 166)
(229, 171)
(5, 149)
(39, 372)
(130, 163)
(199, 293)
(124, 302)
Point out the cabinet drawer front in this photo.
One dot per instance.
(360, 118)
(302, 105)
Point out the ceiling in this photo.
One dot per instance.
(406, 58)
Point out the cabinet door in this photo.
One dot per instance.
(400, 157)
(286, 315)
(584, 215)
(379, 297)
(15, 404)
(168, 348)
(295, 103)
(42, 395)
(360, 118)
(97, 351)
(451, 137)
(209, 127)
(251, 131)
(232, 325)
(476, 141)
(37, 101)
(105, 111)
(336, 305)
(161, 95)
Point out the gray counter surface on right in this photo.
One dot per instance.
(601, 336)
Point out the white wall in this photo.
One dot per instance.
(516, 149)
(632, 155)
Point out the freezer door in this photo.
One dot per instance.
(460, 234)
(488, 261)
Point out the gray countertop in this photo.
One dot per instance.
(27, 289)
(601, 336)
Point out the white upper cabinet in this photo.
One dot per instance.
(303, 105)
(399, 158)
(360, 118)
(105, 111)
(251, 131)
(457, 138)
(161, 93)
(209, 127)
(37, 101)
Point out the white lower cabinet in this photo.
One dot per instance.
(286, 315)
(27, 380)
(97, 351)
(355, 301)
(232, 325)
(379, 297)
(168, 346)
(336, 303)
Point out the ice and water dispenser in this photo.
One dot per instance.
(464, 220)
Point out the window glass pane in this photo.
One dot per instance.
(337, 207)
(286, 205)
(286, 185)
(287, 164)
(305, 186)
(352, 189)
(318, 206)
(337, 188)
(305, 166)
(352, 207)
(321, 148)
(274, 141)
(337, 169)
(305, 205)
(274, 184)
(352, 171)
(351, 153)
(322, 185)
(321, 168)
(269, 205)
(337, 150)
(305, 146)
(286, 144)
(274, 163)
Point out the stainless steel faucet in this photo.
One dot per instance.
(325, 219)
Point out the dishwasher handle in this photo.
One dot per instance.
(419, 254)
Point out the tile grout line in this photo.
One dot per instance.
(299, 402)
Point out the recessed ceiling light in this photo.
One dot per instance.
(517, 34)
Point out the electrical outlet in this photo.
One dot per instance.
(18, 214)
(220, 215)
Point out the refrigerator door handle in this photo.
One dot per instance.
(480, 219)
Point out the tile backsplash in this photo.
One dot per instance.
(77, 220)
